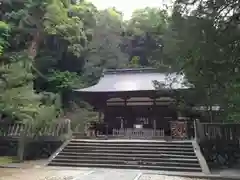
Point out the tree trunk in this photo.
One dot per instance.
(21, 145)
(33, 48)
(210, 113)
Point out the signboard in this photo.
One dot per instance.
(138, 126)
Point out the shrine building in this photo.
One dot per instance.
(141, 103)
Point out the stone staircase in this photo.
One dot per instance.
(129, 154)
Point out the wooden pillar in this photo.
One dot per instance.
(154, 126)
(154, 115)
(99, 121)
(126, 113)
(99, 115)
(179, 114)
(195, 130)
(122, 123)
(105, 117)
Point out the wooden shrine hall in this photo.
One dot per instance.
(140, 103)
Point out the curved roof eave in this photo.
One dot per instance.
(125, 80)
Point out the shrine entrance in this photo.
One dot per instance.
(143, 121)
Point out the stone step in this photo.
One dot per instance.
(130, 144)
(129, 155)
(132, 141)
(117, 161)
(137, 158)
(70, 146)
(128, 166)
(121, 151)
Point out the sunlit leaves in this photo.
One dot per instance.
(4, 32)
(64, 80)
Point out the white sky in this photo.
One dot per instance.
(128, 6)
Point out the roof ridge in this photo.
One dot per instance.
(130, 70)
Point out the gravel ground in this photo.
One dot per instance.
(39, 174)
(81, 174)
(163, 177)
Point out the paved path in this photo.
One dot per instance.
(48, 173)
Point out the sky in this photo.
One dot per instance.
(128, 6)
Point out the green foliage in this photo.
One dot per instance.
(18, 99)
(4, 160)
(145, 32)
(4, 30)
(104, 49)
(54, 46)
(134, 63)
(68, 22)
(151, 20)
(64, 80)
(234, 99)
(203, 39)
(56, 17)
(80, 115)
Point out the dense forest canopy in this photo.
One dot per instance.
(48, 47)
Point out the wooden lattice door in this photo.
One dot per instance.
(179, 129)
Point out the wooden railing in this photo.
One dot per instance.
(53, 130)
(138, 133)
(179, 129)
(11, 130)
(222, 131)
(213, 131)
(217, 139)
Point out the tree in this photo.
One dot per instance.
(59, 45)
(145, 31)
(104, 49)
(18, 100)
(4, 29)
(56, 35)
(41, 18)
(206, 41)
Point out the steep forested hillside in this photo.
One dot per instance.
(48, 47)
